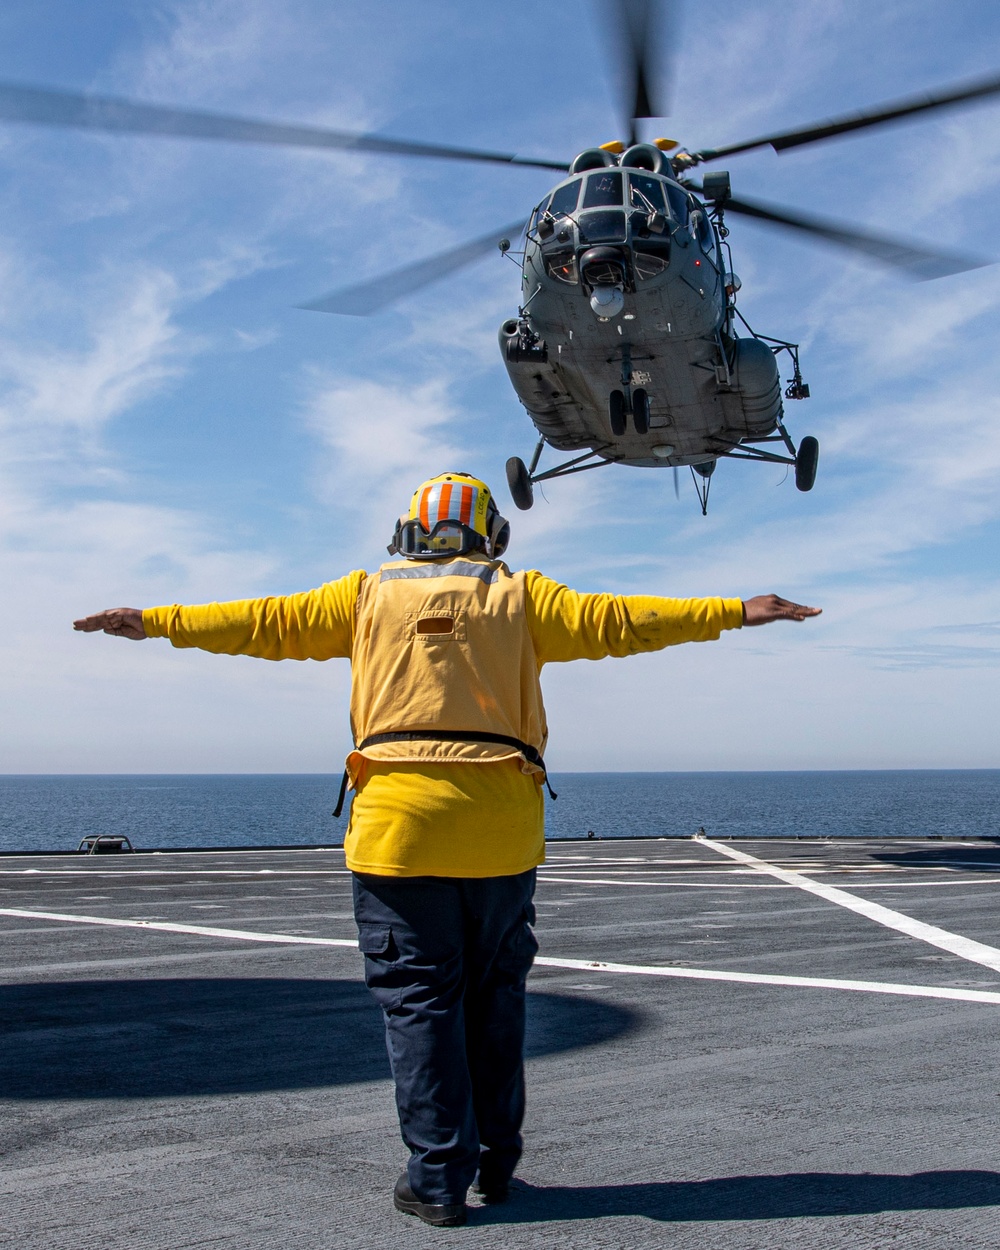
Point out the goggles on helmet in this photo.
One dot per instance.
(451, 514)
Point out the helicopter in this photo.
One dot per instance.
(627, 346)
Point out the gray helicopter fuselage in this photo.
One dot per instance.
(668, 332)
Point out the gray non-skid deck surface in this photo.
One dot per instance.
(168, 1089)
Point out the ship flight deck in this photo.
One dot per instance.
(732, 1044)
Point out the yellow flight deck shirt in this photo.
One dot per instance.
(445, 819)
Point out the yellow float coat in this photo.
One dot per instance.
(445, 645)
(445, 819)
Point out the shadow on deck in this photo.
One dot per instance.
(164, 1038)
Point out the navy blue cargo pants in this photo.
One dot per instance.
(446, 959)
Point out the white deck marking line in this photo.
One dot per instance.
(746, 885)
(176, 872)
(755, 978)
(244, 935)
(927, 885)
(966, 948)
(664, 885)
(582, 965)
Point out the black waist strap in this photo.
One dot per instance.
(530, 753)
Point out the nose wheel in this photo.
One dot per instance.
(622, 405)
(640, 411)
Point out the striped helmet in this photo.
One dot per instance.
(450, 514)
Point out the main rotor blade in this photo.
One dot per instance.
(917, 262)
(369, 297)
(978, 89)
(44, 107)
(636, 27)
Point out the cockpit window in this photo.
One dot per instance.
(678, 203)
(563, 201)
(603, 227)
(648, 264)
(603, 188)
(562, 267)
(646, 193)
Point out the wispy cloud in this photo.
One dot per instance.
(973, 627)
(130, 350)
(901, 656)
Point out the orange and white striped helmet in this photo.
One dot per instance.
(450, 514)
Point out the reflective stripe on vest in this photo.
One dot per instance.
(455, 568)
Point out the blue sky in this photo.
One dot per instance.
(173, 429)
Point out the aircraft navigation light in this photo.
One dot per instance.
(663, 451)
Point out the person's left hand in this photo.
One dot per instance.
(763, 609)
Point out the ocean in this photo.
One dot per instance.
(40, 813)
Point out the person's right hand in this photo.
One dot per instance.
(122, 622)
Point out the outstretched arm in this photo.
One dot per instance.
(567, 625)
(763, 609)
(314, 625)
(122, 622)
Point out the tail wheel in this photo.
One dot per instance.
(640, 411)
(617, 409)
(806, 460)
(519, 483)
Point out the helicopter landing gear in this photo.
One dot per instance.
(519, 483)
(621, 405)
(617, 410)
(806, 460)
(640, 411)
(521, 478)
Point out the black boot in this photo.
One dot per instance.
(492, 1189)
(441, 1215)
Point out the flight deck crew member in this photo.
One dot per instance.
(446, 828)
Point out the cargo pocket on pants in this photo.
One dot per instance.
(382, 976)
(375, 940)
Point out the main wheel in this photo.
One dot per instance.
(519, 483)
(806, 460)
(616, 413)
(640, 411)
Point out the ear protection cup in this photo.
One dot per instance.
(499, 534)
